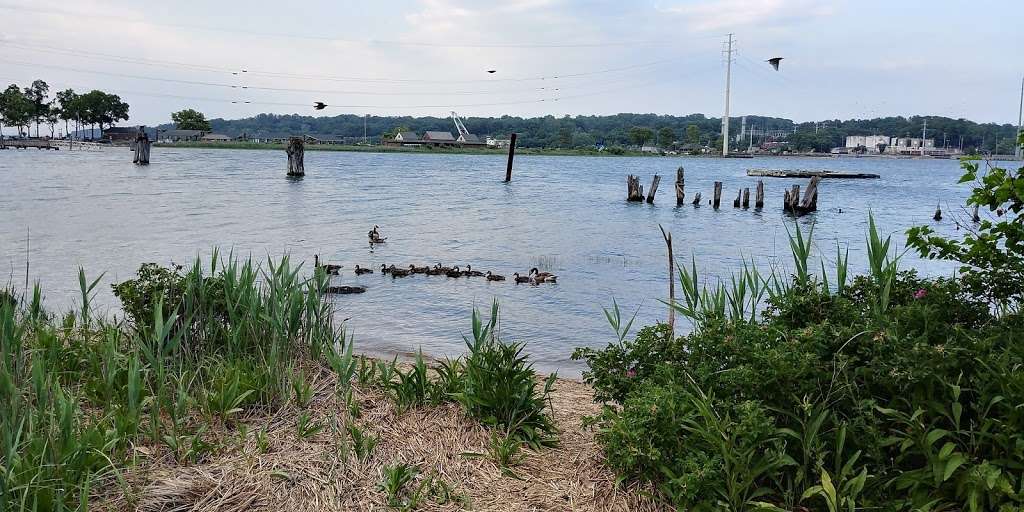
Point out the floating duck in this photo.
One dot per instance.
(469, 272)
(361, 271)
(521, 279)
(494, 277)
(418, 270)
(329, 268)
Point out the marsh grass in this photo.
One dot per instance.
(201, 346)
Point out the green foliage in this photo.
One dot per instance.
(363, 443)
(395, 479)
(499, 386)
(992, 254)
(190, 119)
(881, 391)
(79, 394)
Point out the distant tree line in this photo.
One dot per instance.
(664, 131)
(22, 107)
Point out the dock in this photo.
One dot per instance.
(796, 173)
(28, 143)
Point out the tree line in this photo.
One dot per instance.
(22, 107)
(665, 131)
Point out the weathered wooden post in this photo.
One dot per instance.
(296, 153)
(736, 202)
(141, 148)
(938, 213)
(634, 190)
(511, 156)
(680, 194)
(671, 280)
(746, 198)
(696, 199)
(759, 197)
(718, 194)
(654, 189)
(810, 200)
(976, 218)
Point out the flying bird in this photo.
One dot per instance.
(775, 61)
(492, 71)
(319, 105)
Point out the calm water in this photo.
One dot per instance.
(563, 214)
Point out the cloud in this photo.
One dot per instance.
(723, 14)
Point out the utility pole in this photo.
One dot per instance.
(1020, 117)
(365, 117)
(728, 81)
(924, 132)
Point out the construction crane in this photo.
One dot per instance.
(461, 128)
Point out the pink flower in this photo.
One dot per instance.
(919, 294)
(631, 373)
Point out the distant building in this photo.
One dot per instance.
(438, 138)
(873, 143)
(120, 133)
(171, 136)
(497, 143)
(215, 137)
(470, 139)
(407, 137)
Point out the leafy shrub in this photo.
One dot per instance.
(499, 386)
(891, 391)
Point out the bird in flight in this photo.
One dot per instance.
(775, 61)
(319, 105)
(492, 71)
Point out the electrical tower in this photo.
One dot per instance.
(728, 79)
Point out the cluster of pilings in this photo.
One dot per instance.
(793, 202)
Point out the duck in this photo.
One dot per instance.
(384, 268)
(542, 277)
(521, 279)
(418, 270)
(329, 268)
(374, 235)
(361, 271)
(494, 277)
(454, 272)
(398, 272)
(436, 270)
(344, 290)
(469, 272)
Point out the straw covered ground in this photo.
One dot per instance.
(268, 466)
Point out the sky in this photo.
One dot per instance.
(231, 59)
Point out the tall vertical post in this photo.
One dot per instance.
(728, 82)
(511, 156)
(924, 133)
(296, 152)
(1020, 128)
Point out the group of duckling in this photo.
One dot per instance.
(535, 276)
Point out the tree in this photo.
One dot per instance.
(16, 109)
(640, 135)
(692, 134)
(190, 119)
(36, 93)
(991, 255)
(69, 108)
(666, 137)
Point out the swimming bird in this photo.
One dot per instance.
(775, 61)
(469, 272)
(384, 268)
(329, 268)
(521, 279)
(494, 277)
(361, 271)
(541, 275)
(454, 272)
(418, 270)
(437, 270)
(319, 105)
(398, 272)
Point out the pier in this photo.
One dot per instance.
(795, 173)
(28, 143)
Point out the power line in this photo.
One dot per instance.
(426, 44)
(278, 74)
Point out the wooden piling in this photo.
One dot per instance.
(975, 217)
(671, 280)
(718, 195)
(739, 195)
(696, 199)
(938, 213)
(759, 196)
(810, 199)
(511, 156)
(654, 189)
(634, 190)
(746, 198)
(142, 145)
(680, 193)
(792, 199)
(296, 153)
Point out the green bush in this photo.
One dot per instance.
(892, 391)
